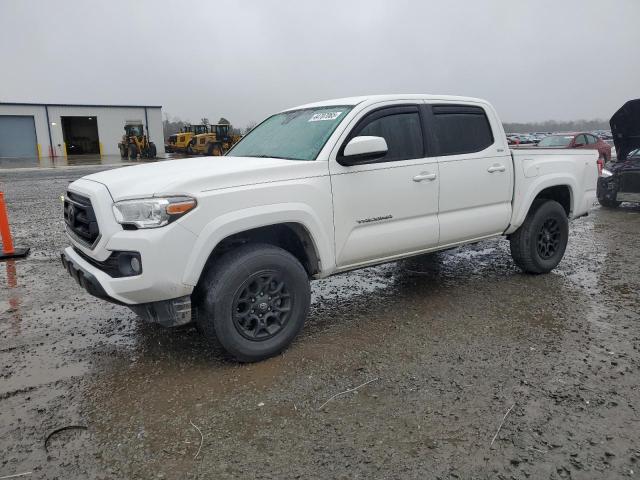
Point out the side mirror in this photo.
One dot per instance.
(363, 148)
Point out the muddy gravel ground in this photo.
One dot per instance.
(449, 344)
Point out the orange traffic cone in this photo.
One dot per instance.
(8, 250)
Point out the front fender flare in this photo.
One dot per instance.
(242, 220)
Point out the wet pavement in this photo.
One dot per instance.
(449, 344)
(9, 164)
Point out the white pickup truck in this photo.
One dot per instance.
(231, 242)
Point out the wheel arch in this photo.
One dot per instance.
(296, 231)
(560, 189)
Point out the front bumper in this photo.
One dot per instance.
(621, 187)
(85, 279)
(168, 313)
(158, 293)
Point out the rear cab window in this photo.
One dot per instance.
(460, 129)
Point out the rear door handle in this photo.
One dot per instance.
(424, 176)
(496, 168)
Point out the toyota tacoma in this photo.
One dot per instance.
(231, 242)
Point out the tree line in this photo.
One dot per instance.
(556, 126)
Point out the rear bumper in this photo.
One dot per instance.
(168, 313)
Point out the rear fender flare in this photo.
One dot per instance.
(524, 200)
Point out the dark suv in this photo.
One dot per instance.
(620, 180)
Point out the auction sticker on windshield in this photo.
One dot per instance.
(318, 117)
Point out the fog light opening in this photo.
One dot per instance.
(135, 265)
(129, 264)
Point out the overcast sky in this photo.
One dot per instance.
(533, 59)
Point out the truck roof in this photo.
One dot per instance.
(382, 98)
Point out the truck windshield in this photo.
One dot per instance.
(556, 141)
(294, 135)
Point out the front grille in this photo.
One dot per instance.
(80, 219)
(630, 182)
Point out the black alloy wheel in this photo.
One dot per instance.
(253, 300)
(540, 242)
(262, 306)
(548, 239)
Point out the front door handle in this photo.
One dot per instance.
(424, 176)
(496, 167)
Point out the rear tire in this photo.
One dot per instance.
(153, 151)
(540, 242)
(254, 300)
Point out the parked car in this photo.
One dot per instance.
(581, 140)
(620, 180)
(310, 192)
(603, 134)
(520, 139)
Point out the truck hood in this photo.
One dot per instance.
(625, 128)
(194, 175)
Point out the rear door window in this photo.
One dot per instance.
(461, 129)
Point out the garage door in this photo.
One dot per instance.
(17, 136)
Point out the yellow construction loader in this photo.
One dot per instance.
(216, 141)
(179, 142)
(134, 142)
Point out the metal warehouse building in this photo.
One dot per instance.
(29, 130)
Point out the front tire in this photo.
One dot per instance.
(254, 300)
(214, 150)
(540, 242)
(133, 152)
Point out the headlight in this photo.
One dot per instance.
(606, 173)
(152, 212)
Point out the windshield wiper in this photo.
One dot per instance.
(272, 156)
